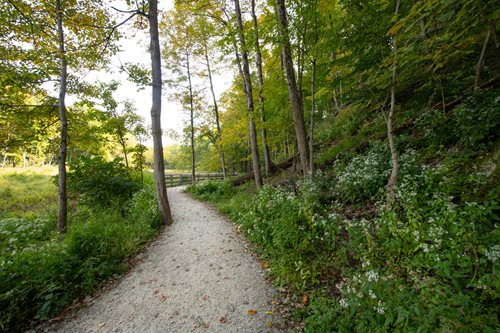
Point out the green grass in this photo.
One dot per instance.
(26, 192)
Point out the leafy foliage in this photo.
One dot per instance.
(429, 262)
(100, 182)
(41, 273)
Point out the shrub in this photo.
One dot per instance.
(211, 190)
(143, 207)
(100, 182)
(427, 265)
(286, 229)
(477, 120)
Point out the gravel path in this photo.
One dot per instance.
(197, 277)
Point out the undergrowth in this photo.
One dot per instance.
(427, 263)
(41, 272)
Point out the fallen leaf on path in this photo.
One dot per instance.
(163, 298)
(251, 312)
(269, 324)
(205, 298)
(269, 312)
(157, 291)
(273, 302)
(223, 320)
(101, 325)
(264, 264)
(305, 299)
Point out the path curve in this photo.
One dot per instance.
(196, 277)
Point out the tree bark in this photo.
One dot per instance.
(216, 111)
(258, 60)
(479, 67)
(313, 109)
(394, 154)
(62, 206)
(123, 143)
(249, 97)
(296, 106)
(158, 162)
(191, 110)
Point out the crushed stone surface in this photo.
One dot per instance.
(198, 276)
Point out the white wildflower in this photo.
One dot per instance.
(343, 303)
(372, 275)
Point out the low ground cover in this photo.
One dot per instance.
(429, 262)
(42, 272)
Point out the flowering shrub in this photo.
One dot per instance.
(289, 230)
(143, 207)
(364, 175)
(428, 265)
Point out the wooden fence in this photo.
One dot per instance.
(185, 179)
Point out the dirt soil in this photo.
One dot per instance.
(198, 276)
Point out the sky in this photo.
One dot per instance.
(134, 50)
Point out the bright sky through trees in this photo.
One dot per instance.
(134, 49)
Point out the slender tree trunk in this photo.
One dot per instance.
(141, 166)
(62, 206)
(298, 114)
(479, 67)
(123, 143)
(158, 162)
(258, 61)
(249, 97)
(191, 109)
(313, 109)
(336, 101)
(216, 111)
(394, 174)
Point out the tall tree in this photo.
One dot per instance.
(249, 96)
(268, 164)
(158, 162)
(390, 130)
(62, 216)
(191, 118)
(295, 101)
(216, 112)
(180, 52)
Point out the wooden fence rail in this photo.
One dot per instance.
(185, 179)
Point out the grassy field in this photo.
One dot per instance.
(25, 192)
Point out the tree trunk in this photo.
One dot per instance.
(62, 206)
(479, 67)
(249, 97)
(123, 143)
(313, 109)
(298, 114)
(394, 174)
(191, 109)
(216, 111)
(258, 60)
(158, 162)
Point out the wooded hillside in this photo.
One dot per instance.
(369, 130)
